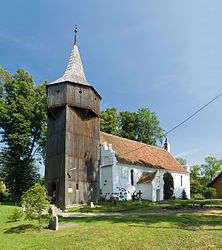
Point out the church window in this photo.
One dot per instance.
(131, 176)
(80, 92)
(181, 180)
(57, 91)
(77, 186)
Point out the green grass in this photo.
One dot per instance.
(156, 231)
(146, 206)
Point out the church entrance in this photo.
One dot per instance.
(157, 195)
(53, 190)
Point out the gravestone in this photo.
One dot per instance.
(54, 223)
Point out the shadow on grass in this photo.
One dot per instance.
(183, 221)
(21, 229)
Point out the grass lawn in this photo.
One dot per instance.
(146, 206)
(158, 231)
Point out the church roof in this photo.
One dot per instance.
(137, 153)
(74, 72)
(146, 177)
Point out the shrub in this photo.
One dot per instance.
(198, 197)
(184, 195)
(96, 202)
(209, 192)
(16, 214)
(168, 185)
(5, 195)
(35, 201)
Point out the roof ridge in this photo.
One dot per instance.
(134, 141)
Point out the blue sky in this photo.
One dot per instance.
(164, 55)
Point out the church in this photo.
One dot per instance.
(84, 164)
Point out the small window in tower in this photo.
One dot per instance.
(131, 176)
(80, 92)
(181, 179)
(57, 91)
(95, 99)
(77, 186)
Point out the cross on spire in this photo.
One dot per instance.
(75, 30)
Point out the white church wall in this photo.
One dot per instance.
(157, 187)
(147, 191)
(178, 186)
(107, 161)
(106, 184)
(117, 179)
(122, 179)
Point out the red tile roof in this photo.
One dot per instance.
(146, 177)
(137, 153)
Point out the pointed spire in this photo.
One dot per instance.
(74, 71)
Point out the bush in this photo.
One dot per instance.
(209, 192)
(35, 201)
(198, 197)
(168, 185)
(5, 195)
(184, 195)
(16, 214)
(96, 202)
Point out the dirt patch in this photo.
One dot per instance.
(68, 225)
(205, 211)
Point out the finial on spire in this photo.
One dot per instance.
(75, 34)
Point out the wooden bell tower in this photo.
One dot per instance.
(73, 136)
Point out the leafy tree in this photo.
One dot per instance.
(129, 124)
(109, 121)
(211, 168)
(168, 186)
(36, 202)
(142, 125)
(23, 129)
(195, 172)
(181, 161)
(149, 130)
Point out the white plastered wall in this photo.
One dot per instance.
(118, 179)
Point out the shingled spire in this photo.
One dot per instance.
(74, 72)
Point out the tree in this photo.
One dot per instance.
(149, 130)
(182, 161)
(142, 125)
(129, 124)
(211, 168)
(195, 172)
(109, 121)
(23, 129)
(35, 201)
(168, 187)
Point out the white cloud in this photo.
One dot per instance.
(184, 154)
(24, 43)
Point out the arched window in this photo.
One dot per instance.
(131, 176)
(181, 179)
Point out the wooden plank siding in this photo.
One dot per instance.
(73, 140)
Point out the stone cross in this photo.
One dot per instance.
(140, 193)
(133, 196)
